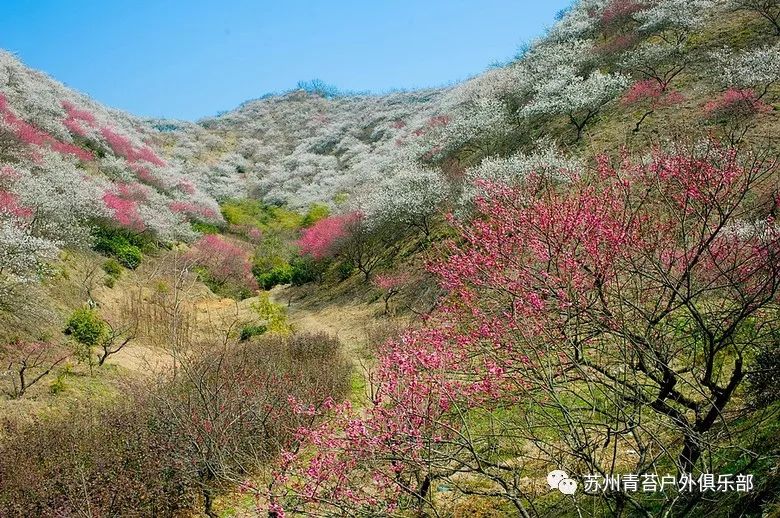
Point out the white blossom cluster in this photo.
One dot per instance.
(578, 21)
(301, 148)
(375, 150)
(41, 101)
(757, 68)
(566, 92)
(546, 160)
(675, 15)
(411, 196)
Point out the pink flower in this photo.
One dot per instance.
(389, 282)
(650, 91)
(186, 186)
(193, 210)
(77, 114)
(320, 240)
(619, 11)
(735, 103)
(122, 146)
(34, 136)
(225, 261)
(125, 211)
(9, 204)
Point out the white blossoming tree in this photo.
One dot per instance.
(577, 21)
(546, 160)
(674, 20)
(660, 62)
(411, 197)
(757, 69)
(578, 98)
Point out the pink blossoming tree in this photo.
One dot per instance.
(124, 210)
(391, 284)
(650, 95)
(123, 146)
(735, 109)
(580, 324)
(227, 264)
(33, 136)
(321, 239)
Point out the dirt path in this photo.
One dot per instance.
(349, 322)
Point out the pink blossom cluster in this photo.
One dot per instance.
(735, 103)
(652, 93)
(193, 210)
(186, 187)
(34, 136)
(8, 173)
(124, 210)
(225, 261)
(9, 202)
(391, 281)
(619, 11)
(146, 176)
(689, 180)
(123, 147)
(320, 240)
(9, 205)
(533, 257)
(133, 191)
(75, 118)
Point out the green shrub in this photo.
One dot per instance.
(112, 268)
(255, 213)
(248, 332)
(317, 211)
(86, 327)
(58, 385)
(277, 275)
(344, 270)
(205, 228)
(119, 244)
(274, 315)
(305, 270)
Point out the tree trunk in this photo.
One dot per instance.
(208, 503)
(640, 121)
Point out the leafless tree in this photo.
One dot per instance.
(28, 363)
(767, 9)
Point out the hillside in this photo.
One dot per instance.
(416, 303)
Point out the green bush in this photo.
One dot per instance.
(120, 245)
(299, 271)
(274, 315)
(270, 278)
(205, 228)
(58, 385)
(344, 270)
(112, 268)
(129, 256)
(255, 213)
(305, 270)
(316, 212)
(86, 327)
(248, 332)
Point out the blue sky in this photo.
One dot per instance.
(193, 58)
